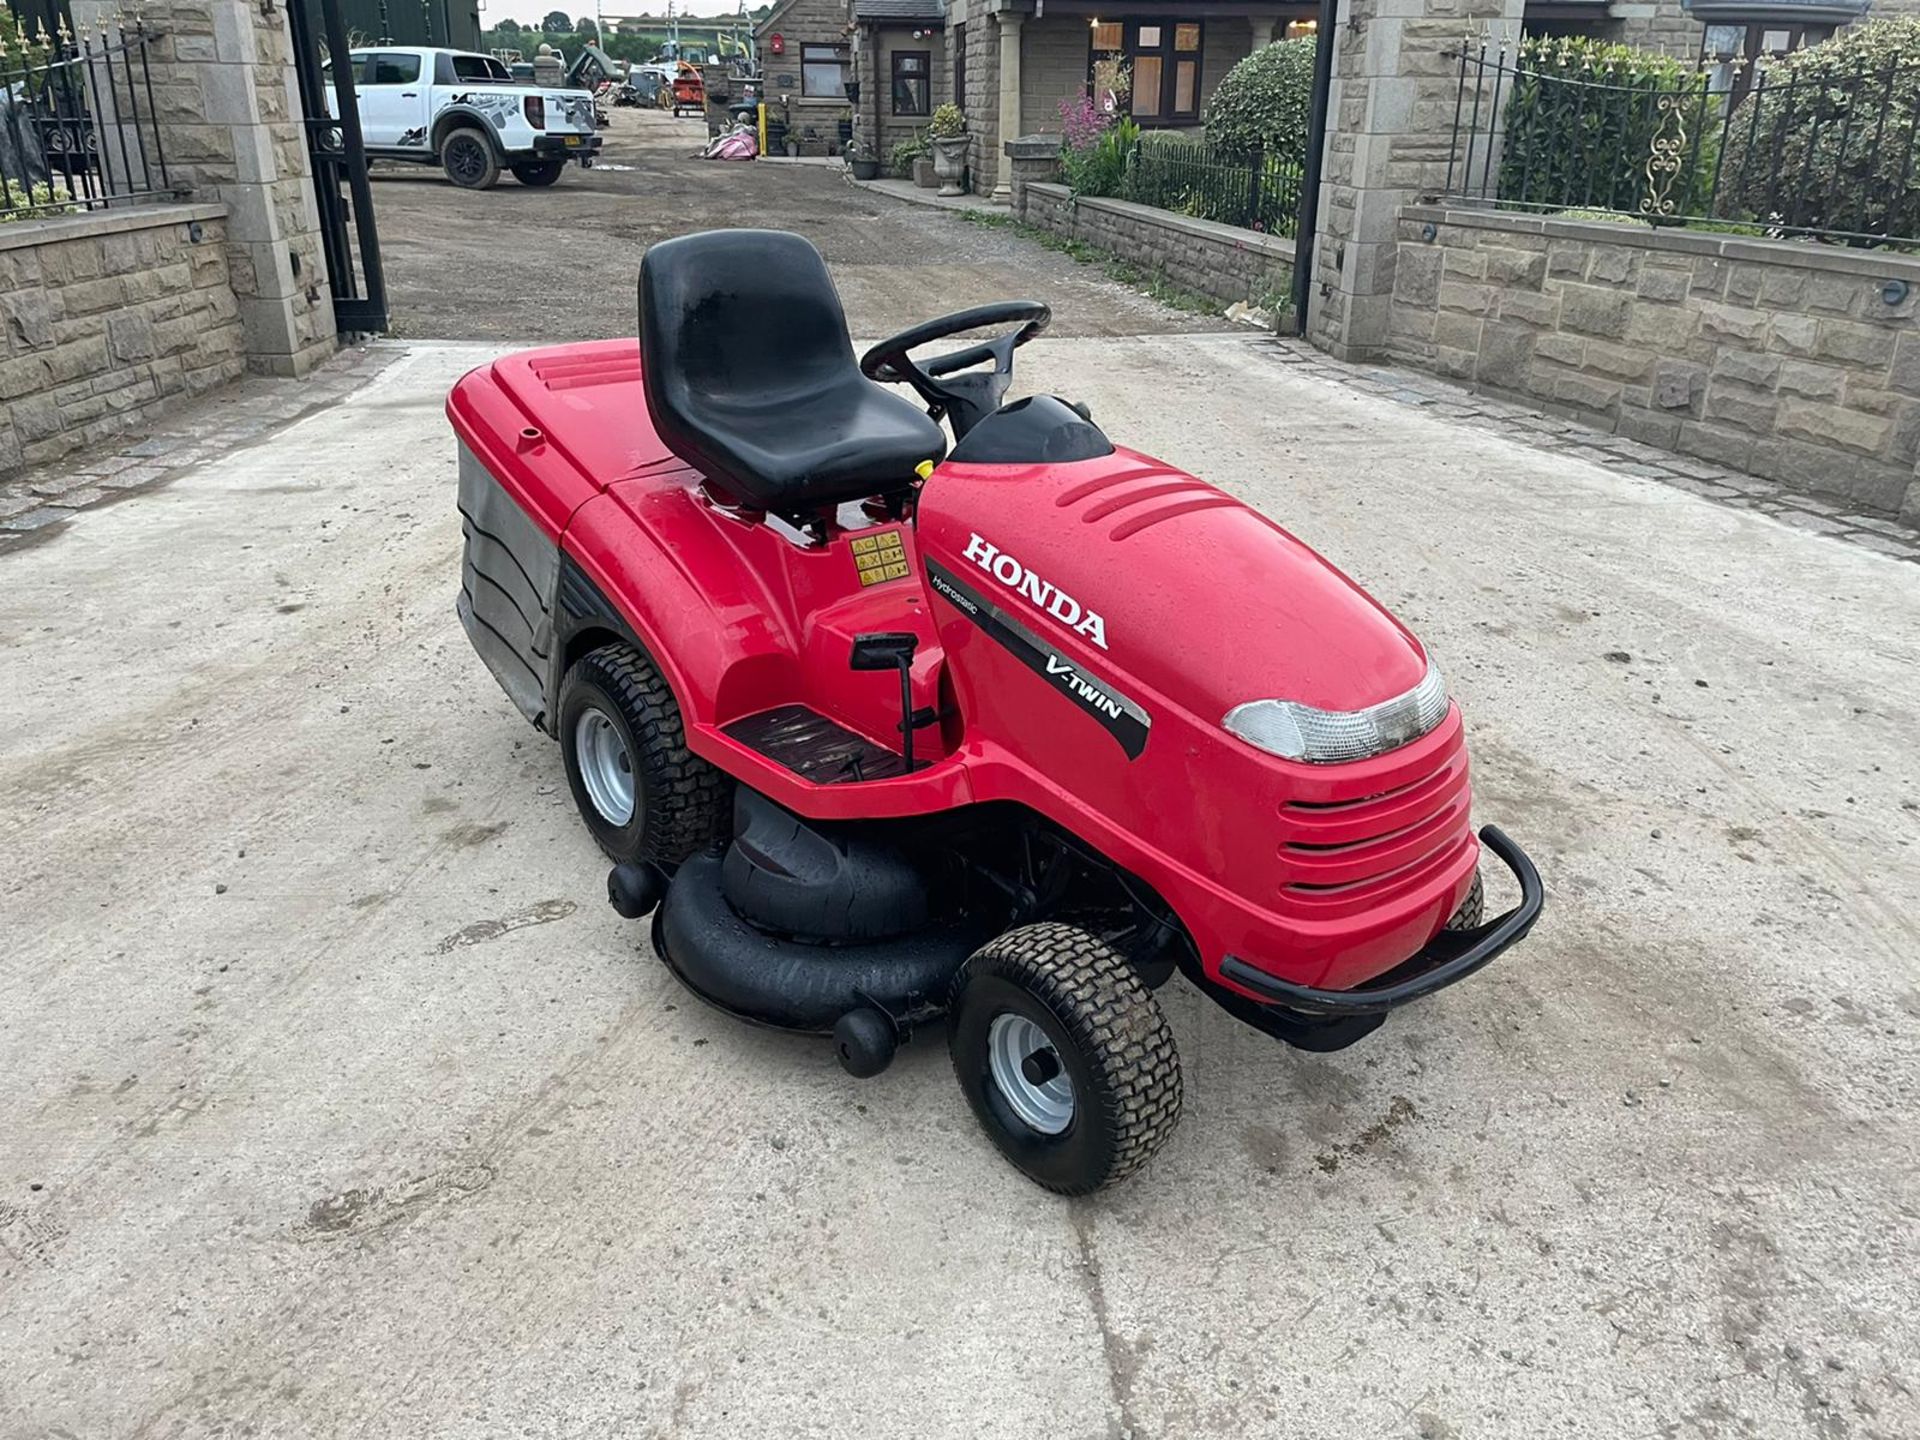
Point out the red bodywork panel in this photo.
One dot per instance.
(1085, 625)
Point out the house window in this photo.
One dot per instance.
(912, 82)
(823, 72)
(1161, 59)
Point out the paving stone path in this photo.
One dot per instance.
(45, 497)
(1542, 431)
(36, 502)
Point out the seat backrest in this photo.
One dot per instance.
(735, 318)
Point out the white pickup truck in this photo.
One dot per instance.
(468, 115)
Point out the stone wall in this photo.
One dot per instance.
(1053, 67)
(1656, 25)
(1390, 138)
(1797, 362)
(1204, 256)
(108, 319)
(980, 40)
(228, 108)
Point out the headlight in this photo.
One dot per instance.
(1326, 737)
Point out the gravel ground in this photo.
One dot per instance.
(560, 264)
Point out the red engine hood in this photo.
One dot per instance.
(1127, 561)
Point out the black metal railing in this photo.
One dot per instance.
(1826, 153)
(77, 127)
(1261, 192)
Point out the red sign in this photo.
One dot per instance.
(778, 44)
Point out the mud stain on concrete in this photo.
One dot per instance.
(472, 834)
(29, 1235)
(1399, 1111)
(363, 1210)
(545, 912)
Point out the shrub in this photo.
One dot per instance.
(947, 122)
(900, 159)
(37, 200)
(1797, 157)
(1581, 120)
(1099, 167)
(1262, 104)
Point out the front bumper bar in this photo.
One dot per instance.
(1450, 956)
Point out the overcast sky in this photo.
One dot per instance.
(537, 10)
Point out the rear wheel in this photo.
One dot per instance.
(645, 798)
(1064, 1056)
(539, 172)
(467, 157)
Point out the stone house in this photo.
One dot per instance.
(1017, 60)
(1009, 64)
(1714, 29)
(901, 67)
(806, 60)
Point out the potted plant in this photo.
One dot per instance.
(947, 132)
(846, 128)
(862, 161)
(908, 156)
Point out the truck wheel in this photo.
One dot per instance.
(1064, 1056)
(643, 795)
(1472, 910)
(467, 157)
(539, 172)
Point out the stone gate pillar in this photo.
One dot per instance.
(227, 110)
(1390, 134)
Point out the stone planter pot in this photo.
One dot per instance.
(950, 163)
(923, 175)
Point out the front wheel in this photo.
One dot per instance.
(469, 161)
(539, 172)
(1064, 1056)
(644, 796)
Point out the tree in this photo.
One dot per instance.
(556, 23)
(586, 29)
(508, 26)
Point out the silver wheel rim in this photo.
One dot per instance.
(1047, 1107)
(606, 770)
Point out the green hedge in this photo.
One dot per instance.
(1582, 117)
(1810, 147)
(1262, 104)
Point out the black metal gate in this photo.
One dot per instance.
(347, 232)
(1309, 222)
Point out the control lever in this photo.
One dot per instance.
(887, 650)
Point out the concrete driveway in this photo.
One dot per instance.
(337, 1102)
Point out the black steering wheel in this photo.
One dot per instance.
(965, 399)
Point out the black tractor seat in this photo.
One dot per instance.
(750, 376)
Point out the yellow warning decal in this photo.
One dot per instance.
(879, 557)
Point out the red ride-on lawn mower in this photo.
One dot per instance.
(1005, 739)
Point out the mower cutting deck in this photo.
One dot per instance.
(886, 737)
